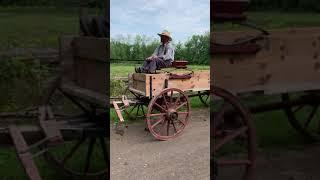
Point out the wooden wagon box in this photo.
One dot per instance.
(150, 85)
(85, 60)
(288, 61)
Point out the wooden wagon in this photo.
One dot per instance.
(166, 95)
(256, 62)
(73, 141)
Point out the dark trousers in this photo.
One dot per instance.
(158, 63)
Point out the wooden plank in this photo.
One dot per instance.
(141, 82)
(66, 58)
(25, 157)
(200, 80)
(158, 83)
(89, 96)
(91, 48)
(91, 63)
(118, 110)
(137, 91)
(288, 62)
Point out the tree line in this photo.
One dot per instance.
(286, 5)
(127, 48)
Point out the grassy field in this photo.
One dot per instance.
(276, 20)
(36, 26)
(122, 70)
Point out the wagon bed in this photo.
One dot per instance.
(166, 96)
(288, 61)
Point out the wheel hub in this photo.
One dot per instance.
(172, 114)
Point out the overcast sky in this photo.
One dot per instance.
(182, 18)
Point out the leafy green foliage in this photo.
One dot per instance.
(195, 49)
(20, 82)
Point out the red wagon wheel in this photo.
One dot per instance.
(168, 114)
(234, 139)
(305, 116)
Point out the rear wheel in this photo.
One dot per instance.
(234, 138)
(305, 116)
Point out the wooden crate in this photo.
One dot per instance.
(150, 85)
(289, 61)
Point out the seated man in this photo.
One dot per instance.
(162, 57)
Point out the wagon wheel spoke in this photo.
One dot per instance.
(164, 110)
(174, 127)
(89, 154)
(298, 108)
(303, 118)
(231, 121)
(137, 110)
(168, 127)
(218, 116)
(182, 122)
(144, 114)
(73, 150)
(131, 110)
(158, 114)
(156, 123)
(104, 150)
(171, 97)
(175, 104)
(165, 100)
(163, 126)
(177, 100)
(207, 98)
(310, 117)
(230, 137)
(181, 105)
(183, 112)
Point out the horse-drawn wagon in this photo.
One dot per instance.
(283, 62)
(166, 96)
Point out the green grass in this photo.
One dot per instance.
(13, 169)
(36, 26)
(122, 70)
(277, 20)
(273, 128)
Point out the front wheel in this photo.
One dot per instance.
(168, 114)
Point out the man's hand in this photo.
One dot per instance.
(151, 58)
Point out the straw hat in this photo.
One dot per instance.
(165, 33)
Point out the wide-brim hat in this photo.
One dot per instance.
(165, 33)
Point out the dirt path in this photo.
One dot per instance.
(137, 155)
(283, 165)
